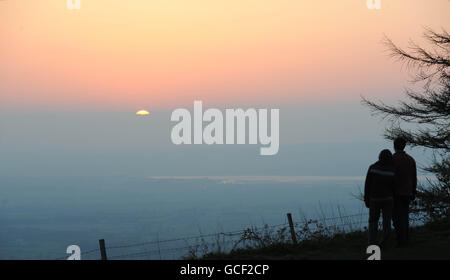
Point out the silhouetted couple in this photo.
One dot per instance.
(390, 186)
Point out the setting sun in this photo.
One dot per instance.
(142, 112)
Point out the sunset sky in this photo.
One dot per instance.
(126, 55)
(71, 82)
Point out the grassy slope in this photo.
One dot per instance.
(431, 241)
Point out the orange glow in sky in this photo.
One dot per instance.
(160, 53)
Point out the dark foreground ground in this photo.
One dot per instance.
(431, 241)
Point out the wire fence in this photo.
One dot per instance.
(197, 245)
(227, 238)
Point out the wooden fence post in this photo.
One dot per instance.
(291, 226)
(103, 249)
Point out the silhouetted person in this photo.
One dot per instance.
(379, 195)
(404, 190)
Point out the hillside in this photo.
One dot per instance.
(430, 241)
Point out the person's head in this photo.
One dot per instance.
(399, 144)
(385, 156)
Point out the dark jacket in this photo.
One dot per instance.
(380, 182)
(406, 174)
